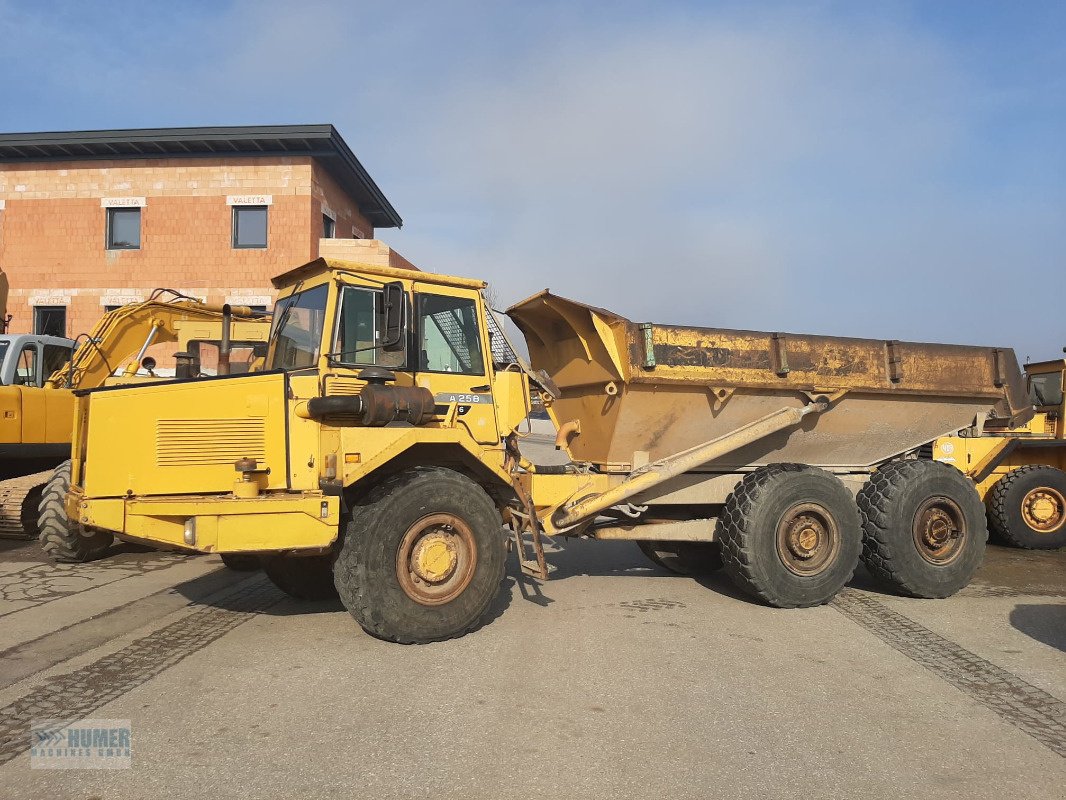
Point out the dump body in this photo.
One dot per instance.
(646, 391)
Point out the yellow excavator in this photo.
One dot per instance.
(39, 373)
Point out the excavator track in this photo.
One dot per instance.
(19, 498)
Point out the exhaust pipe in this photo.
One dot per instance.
(226, 345)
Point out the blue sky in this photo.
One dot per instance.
(895, 170)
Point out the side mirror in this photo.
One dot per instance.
(394, 299)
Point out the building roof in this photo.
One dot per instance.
(321, 142)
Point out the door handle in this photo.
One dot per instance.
(484, 388)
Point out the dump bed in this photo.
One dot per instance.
(648, 391)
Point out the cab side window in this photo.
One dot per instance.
(360, 328)
(1045, 389)
(26, 369)
(449, 338)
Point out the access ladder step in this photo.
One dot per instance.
(531, 567)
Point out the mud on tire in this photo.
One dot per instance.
(65, 541)
(422, 558)
(790, 535)
(1015, 494)
(924, 528)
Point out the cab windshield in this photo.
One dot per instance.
(297, 332)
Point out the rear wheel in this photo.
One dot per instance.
(924, 529)
(684, 558)
(62, 539)
(423, 557)
(302, 577)
(239, 562)
(790, 535)
(1027, 508)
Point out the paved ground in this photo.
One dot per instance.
(613, 679)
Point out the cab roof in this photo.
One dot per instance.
(1053, 365)
(321, 266)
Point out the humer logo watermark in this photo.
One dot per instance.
(85, 744)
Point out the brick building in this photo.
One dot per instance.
(91, 220)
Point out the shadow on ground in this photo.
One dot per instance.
(1045, 623)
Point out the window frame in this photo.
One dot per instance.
(329, 226)
(234, 227)
(37, 310)
(485, 363)
(35, 366)
(109, 227)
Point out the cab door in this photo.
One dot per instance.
(451, 359)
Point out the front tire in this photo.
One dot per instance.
(63, 540)
(924, 528)
(422, 558)
(1027, 508)
(790, 535)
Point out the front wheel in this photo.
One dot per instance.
(1027, 508)
(790, 535)
(924, 528)
(422, 558)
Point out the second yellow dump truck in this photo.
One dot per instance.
(379, 455)
(1020, 472)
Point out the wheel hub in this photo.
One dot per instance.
(939, 530)
(807, 539)
(1044, 510)
(436, 558)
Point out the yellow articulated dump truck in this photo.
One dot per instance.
(1020, 472)
(36, 415)
(378, 456)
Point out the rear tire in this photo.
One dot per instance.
(684, 558)
(790, 535)
(63, 540)
(1027, 508)
(302, 577)
(239, 562)
(422, 558)
(924, 528)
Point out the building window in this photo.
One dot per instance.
(250, 226)
(329, 227)
(123, 229)
(50, 320)
(109, 309)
